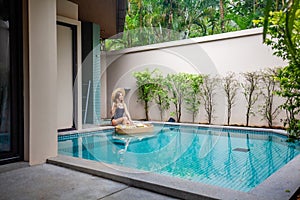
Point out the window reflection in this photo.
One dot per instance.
(4, 78)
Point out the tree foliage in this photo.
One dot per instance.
(193, 98)
(161, 94)
(289, 78)
(178, 87)
(190, 91)
(155, 21)
(283, 30)
(268, 109)
(250, 92)
(146, 86)
(230, 86)
(209, 87)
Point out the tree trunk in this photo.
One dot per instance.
(146, 110)
(247, 116)
(270, 120)
(194, 117)
(141, 14)
(228, 115)
(222, 16)
(249, 104)
(209, 114)
(179, 113)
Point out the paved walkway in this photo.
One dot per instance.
(46, 181)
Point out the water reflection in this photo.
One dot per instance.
(250, 172)
(230, 158)
(269, 149)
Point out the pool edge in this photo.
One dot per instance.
(170, 186)
(283, 184)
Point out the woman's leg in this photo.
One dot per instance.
(125, 121)
(121, 120)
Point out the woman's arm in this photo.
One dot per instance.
(126, 112)
(113, 109)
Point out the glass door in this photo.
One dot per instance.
(11, 98)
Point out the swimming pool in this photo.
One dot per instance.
(225, 157)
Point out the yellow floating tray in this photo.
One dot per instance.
(144, 128)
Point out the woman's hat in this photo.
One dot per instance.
(113, 95)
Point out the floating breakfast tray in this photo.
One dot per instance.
(134, 129)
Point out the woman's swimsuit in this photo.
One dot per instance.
(119, 113)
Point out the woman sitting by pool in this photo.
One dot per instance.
(119, 111)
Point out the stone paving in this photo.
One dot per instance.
(47, 181)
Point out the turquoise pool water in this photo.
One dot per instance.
(229, 158)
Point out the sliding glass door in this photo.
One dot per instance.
(11, 87)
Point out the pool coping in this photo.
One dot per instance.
(107, 127)
(277, 131)
(275, 187)
(280, 185)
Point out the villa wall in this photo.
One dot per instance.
(241, 51)
(40, 75)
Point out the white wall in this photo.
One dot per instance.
(240, 51)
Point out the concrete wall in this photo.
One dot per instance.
(241, 51)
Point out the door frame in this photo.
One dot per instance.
(76, 62)
(74, 68)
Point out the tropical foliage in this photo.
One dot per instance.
(154, 21)
(193, 98)
(146, 86)
(283, 30)
(179, 89)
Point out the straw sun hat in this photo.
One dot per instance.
(113, 95)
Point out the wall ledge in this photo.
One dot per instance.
(198, 40)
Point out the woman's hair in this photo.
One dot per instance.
(117, 96)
